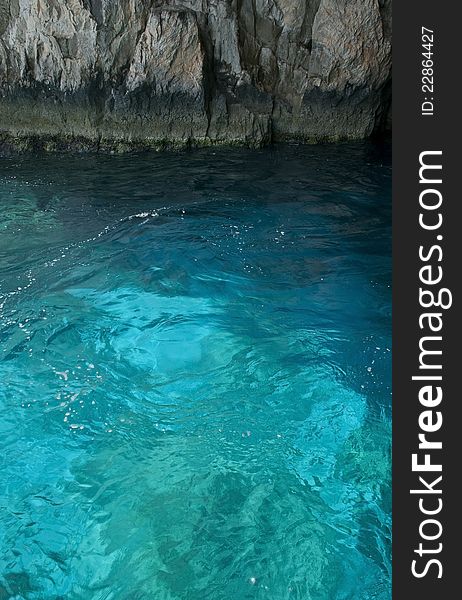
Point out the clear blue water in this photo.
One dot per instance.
(195, 366)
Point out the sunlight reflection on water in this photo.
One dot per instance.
(195, 364)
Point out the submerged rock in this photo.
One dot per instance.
(118, 74)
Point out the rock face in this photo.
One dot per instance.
(123, 73)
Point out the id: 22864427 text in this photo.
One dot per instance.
(427, 72)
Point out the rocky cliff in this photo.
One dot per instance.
(122, 73)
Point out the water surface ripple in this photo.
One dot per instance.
(195, 367)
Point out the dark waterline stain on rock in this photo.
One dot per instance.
(155, 74)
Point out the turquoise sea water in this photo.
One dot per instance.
(195, 375)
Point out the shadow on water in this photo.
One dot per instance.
(195, 357)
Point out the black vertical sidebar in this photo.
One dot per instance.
(417, 128)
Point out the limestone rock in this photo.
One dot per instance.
(126, 73)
